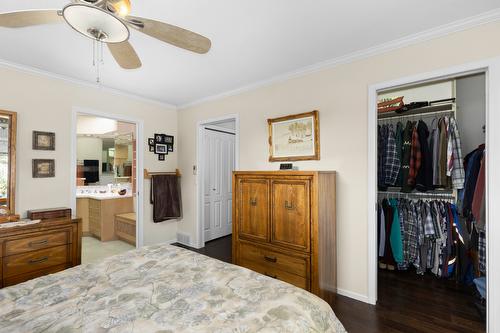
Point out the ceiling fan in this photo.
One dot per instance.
(108, 21)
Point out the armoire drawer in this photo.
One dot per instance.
(263, 268)
(276, 260)
(37, 242)
(32, 261)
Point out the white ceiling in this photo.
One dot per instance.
(251, 40)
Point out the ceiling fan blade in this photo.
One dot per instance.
(26, 18)
(125, 55)
(171, 34)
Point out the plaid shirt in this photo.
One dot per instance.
(417, 217)
(428, 221)
(392, 162)
(415, 157)
(455, 162)
(411, 232)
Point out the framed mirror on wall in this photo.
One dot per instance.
(8, 131)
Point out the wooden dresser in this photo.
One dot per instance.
(284, 226)
(30, 251)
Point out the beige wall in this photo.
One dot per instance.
(89, 149)
(46, 104)
(340, 94)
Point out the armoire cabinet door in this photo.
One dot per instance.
(290, 224)
(253, 213)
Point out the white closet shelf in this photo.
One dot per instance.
(433, 109)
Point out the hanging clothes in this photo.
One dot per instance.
(399, 151)
(395, 236)
(434, 143)
(406, 156)
(414, 158)
(478, 202)
(442, 180)
(391, 159)
(424, 176)
(455, 167)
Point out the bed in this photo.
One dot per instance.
(162, 288)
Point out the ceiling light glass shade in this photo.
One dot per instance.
(122, 7)
(89, 125)
(96, 23)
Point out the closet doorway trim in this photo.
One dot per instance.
(200, 235)
(491, 68)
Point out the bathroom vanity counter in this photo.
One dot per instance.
(98, 213)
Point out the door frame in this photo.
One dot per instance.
(139, 125)
(200, 235)
(491, 68)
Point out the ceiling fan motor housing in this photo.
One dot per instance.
(96, 23)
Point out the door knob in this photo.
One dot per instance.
(288, 206)
(253, 202)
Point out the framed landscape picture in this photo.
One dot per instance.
(43, 168)
(44, 140)
(294, 137)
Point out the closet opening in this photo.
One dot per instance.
(218, 153)
(431, 203)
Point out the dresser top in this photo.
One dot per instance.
(284, 172)
(44, 224)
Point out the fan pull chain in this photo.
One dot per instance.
(97, 57)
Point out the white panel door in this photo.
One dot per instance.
(218, 165)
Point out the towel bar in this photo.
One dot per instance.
(147, 174)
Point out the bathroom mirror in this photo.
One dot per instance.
(8, 126)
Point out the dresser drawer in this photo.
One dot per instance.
(32, 261)
(286, 263)
(262, 268)
(36, 242)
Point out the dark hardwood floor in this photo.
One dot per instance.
(406, 302)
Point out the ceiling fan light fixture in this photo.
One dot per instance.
(96, 23)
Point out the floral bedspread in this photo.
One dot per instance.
(162, 288)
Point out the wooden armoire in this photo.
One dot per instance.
(284, 226)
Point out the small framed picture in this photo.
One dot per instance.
(152, 148)
(44, 140)
(170, 147)
(161, 157)
(43, 168)
(161, 148)
(151, 141)
(168, 139)
(159, 138)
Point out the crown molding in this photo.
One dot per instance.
(440, 31)
(40, 72)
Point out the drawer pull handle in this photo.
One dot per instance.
(253, 202)
(270, 275)
(288, 206)
(42, 242)
(39, 260)
(270, 258)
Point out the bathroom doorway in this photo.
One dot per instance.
(105, 185)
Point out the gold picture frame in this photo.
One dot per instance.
(294, 137)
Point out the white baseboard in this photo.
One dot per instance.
(353, 295)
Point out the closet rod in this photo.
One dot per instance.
(427, 110)
(418, 194)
